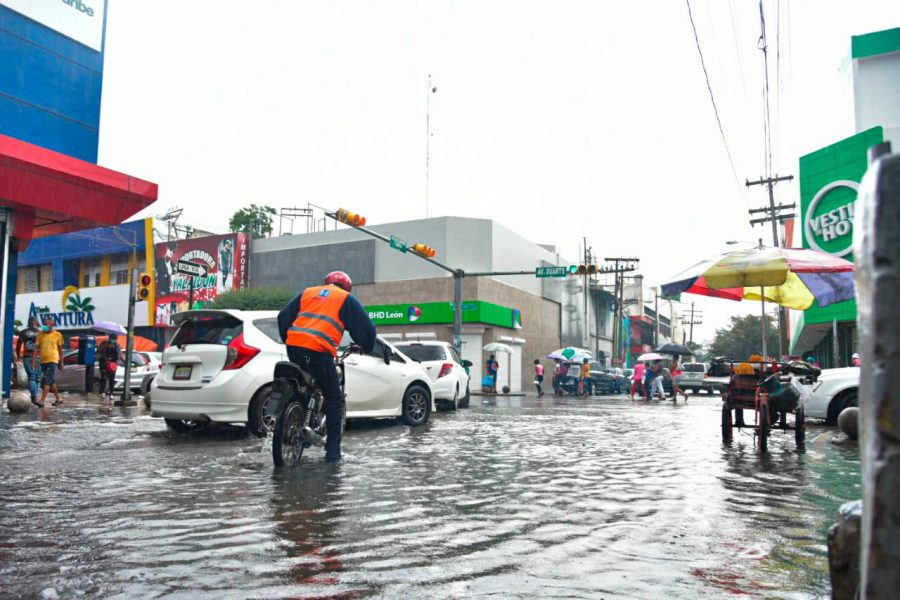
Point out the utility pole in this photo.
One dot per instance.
(586, 261)
(628, 264)
(774, 215)
(695, 319)
(431, 90)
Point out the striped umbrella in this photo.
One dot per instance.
(791, 277)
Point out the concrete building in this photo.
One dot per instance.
(410, 298)
(829, 179)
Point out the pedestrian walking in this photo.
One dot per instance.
(637, 380)
(584, 379)
(538, 377)
(109, 352)
(492, 367)
(675, 374)
(49, 343)
(656, 380)
(563, 373)
(26, 349)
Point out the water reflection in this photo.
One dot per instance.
(534, 498)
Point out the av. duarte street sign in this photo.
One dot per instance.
(191, 268)
(551, 271)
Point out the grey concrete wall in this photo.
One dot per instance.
(304, 266)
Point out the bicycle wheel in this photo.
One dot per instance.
(287, 441)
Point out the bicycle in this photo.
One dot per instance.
(299, 411)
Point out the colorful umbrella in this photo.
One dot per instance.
(791, 277)
(571, 354)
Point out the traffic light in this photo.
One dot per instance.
(345, 216)
(583, 269)
(423, 250)
(143, 287)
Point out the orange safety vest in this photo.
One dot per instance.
(318, 326)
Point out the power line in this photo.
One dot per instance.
(713, 100)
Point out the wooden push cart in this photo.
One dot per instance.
(767, 389)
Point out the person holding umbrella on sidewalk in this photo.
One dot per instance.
(109, 352)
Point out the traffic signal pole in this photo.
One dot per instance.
(129, 344)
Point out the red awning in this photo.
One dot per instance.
(54, 193)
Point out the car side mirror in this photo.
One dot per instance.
(387, 354)
(466, 363)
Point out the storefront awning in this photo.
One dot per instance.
(53, 193)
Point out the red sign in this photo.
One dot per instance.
(225, 259)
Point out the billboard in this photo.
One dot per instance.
(75, 309)
(222, 260)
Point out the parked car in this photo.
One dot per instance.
(220, 364)
(693, 377)
(445, 369)
(71, 377)
(619, 380)
(601, 381)
(153, 359)
(833, 391)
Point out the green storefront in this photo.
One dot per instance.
(829, 179)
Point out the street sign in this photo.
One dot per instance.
(398, 244)
(190, 268)
(551, 271)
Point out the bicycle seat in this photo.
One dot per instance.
(288, 370)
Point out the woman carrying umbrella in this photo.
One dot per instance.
(109, 363)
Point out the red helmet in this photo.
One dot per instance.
(340, 279)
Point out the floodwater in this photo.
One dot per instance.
(519, 498)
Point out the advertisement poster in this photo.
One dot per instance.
(224, 258)
(78, 309)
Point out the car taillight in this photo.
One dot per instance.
(239, 353)
(705, 375)
(445, 369)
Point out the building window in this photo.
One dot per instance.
(118, 270)
(38, 278)
(91, 273)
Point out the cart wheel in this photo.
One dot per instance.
(800, 428)
(727, 431)
(764, 428)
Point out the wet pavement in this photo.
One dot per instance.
(513, 498)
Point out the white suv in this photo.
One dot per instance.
(220, 365)
(445, 369)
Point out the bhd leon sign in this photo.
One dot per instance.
(829, 180)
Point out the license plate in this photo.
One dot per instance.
(182, 372)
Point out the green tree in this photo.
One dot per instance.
(254, 220)
(743, 337)
(255, 299)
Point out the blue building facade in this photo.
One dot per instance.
(50, 84)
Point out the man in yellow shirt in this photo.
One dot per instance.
(585, 377)
(50, 344)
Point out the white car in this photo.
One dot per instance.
(445, 369)
(219, 368)
(153, 360)
(835, 390)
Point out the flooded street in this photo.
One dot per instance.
(518, 498)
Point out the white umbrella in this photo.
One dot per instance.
(649, 356)
(498, 347)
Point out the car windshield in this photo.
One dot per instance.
(422, 352)
(208, 330)
(693, 368)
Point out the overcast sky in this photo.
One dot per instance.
(560, 120)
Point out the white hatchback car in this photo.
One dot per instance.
(219, 368)
(835, 390)
(445, 369)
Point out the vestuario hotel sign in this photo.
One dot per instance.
(829, 179)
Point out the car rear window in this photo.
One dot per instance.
(693, 368)
(208, 330)
(269, 327)
(421, 352)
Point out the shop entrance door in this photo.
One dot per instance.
(515, 368)
(471, 350)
